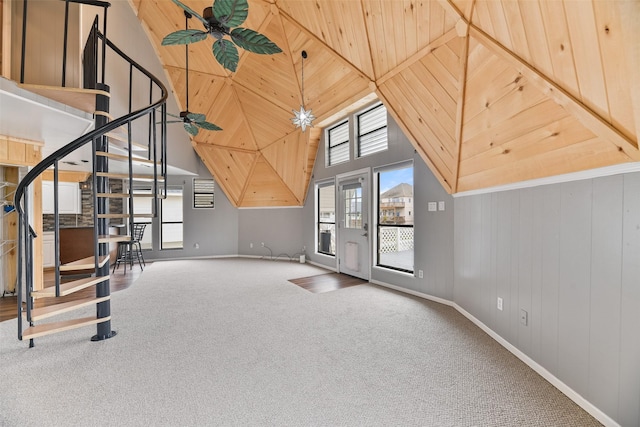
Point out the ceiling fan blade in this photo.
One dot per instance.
(208, 126)
(196, 117)
(184, 37)
(191, 128)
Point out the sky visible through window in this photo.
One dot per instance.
(390, 179)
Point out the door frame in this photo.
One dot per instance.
(366, 172)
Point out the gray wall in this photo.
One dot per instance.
(433, 231)
(214, 230)
(568, 254)
(280, 229)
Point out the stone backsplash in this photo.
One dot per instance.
(85, 219)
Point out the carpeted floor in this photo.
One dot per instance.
(231, 342)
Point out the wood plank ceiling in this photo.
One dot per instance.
(489, 92)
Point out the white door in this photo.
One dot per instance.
(353, 225)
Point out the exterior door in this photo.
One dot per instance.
(353, 225)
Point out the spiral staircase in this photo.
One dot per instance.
(115, 156)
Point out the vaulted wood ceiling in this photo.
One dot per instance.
(489, 92)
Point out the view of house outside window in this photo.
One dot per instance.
(395, 219)
(327, 219)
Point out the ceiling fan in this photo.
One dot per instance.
(218, 21)
(191, 121)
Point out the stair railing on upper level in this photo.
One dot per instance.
(100, 143)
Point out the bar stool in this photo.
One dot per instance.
(129, 249)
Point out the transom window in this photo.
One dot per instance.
(338, 144)
(372, 131)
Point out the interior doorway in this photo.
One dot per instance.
(353, 224)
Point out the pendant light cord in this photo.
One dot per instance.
(187, 15)
(304, 55)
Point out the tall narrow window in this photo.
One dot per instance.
(372, 130)
(338, 144)
(326, 231)
(171, 219)
(395, 217)
(143, 207)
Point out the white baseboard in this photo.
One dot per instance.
(317, 264)
(564, 388)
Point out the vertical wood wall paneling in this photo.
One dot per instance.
(550, 199)
(458, 252)
(504, 253)
(484, 292)
(525, 270)
(606, 265)
(574, 295)
(629, 346)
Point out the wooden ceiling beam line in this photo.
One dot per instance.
(407, 131)
(589, 118)
(225, 147)
(329, 48)
(248, 180)
(462, 79)
(445, 38)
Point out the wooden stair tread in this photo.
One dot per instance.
(87, 263)
(65, 325)
(124, 215)
(123, 158)
(82, 99)
(122, 195)
(69, 287)
(55, 309)
(136, 177)
(113, 238)
(120, 139)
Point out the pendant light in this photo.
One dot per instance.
(303, 118)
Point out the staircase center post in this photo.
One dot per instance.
(102, 183)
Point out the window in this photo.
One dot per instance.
(395, 217)
(143, 205)
(203, 193)
(338, 144)
(352, 206)
(372, 131)
(171, 219)
(326, 203)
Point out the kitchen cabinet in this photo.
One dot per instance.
(69, 198)
(48, 249)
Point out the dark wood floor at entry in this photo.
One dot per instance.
(117, 282)
(327, 282)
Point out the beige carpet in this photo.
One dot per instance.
(233, 343)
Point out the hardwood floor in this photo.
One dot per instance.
(327, 282)
(118, 281)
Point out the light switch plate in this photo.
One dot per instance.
(441, 206)
(432, 206)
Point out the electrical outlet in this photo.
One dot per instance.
(441, 206)
(196, 245)
(304, 248)
(524, 317)
(251, 245)
(499, 303)
(420, 274)
(262, 243)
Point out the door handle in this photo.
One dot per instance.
(365, 234)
